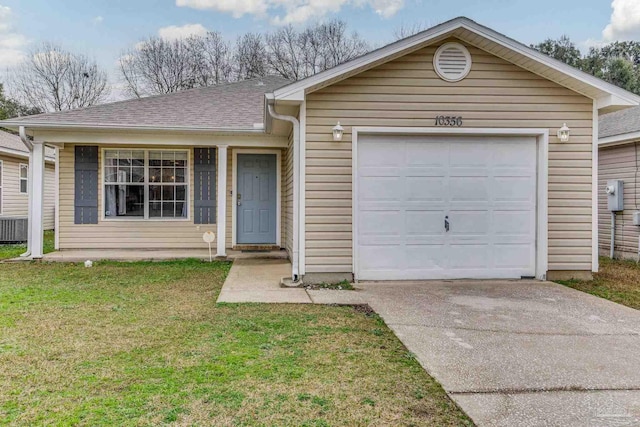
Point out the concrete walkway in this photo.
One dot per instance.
(510, 353)
(258, 280)
(520, 353)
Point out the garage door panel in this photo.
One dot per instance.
(417, 154)
(382, 257)
(469, 223)
(424, 258)
(424, 223)
(381, 222)
(464, 189)
(513, 256)
(470, 256)
(513, 223)
(425, 189)
(513, 189)
(382, 153)
(487, 188)
(514, 153)
(468, 153)
(378, 188)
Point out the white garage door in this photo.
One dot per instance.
(411, 187)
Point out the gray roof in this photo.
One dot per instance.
(12, 144)
(619, 123)
(232, 106)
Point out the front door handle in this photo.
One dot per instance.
(446, 223)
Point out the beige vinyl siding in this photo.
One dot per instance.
(15, 203)
(619, 162)
(407, 92)
(123, 233)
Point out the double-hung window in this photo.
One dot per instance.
(24, 178)
(145, 184)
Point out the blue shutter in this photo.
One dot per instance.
(86, 184)
(204, 170)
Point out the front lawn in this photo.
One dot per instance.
(145, 344)
(618, 281)
(8, 251)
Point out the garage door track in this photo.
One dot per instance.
(520, 353)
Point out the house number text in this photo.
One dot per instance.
(449, 121)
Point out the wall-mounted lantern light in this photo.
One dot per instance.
(338, 131)
(564, 133)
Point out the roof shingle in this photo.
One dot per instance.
(237, 106)
(619, 123)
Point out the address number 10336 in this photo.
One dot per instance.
(453, 121)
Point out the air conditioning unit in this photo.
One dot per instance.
(14, 229)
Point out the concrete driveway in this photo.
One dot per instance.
(520, 353)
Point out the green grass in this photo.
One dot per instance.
(618, 281)
(14, 250)
(145, 344)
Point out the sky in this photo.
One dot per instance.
(104, 29)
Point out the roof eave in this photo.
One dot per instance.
(611, 97)
(624, 138)
(115, 126)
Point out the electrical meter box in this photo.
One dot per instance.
(636, 218)
(615, 190)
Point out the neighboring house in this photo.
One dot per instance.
(450, 164)
(619, 159)
(14, 188)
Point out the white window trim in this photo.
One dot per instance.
(20, 178)
(234, 192)
(542, 179)
(1, 186)
(146, 186)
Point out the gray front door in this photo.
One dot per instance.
(257, 199)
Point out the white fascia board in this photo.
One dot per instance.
(618, 95)
(613, 101)
(619, 139)
(21, 154)
(110, 126)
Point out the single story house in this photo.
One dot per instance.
(619, 159)
(14, 187)
(454, 153)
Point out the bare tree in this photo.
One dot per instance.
(296, 55)
(214, 63)
(250, 56)
(336, 45)
(408, 30)
(286, 53)
(53, 79)
(158, 66)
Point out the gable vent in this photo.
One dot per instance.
(452, 62)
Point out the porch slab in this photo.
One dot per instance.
(81, 255)
(258, 281)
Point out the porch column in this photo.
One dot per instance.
(36, 190)
(221, 204)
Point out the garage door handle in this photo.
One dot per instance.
(446, 223)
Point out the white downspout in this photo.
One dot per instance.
(29, 145)
(295, 261)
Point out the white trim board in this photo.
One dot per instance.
(625, 138)
(234, 190)
(595, 262)
(542, 218)
(101, 200)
